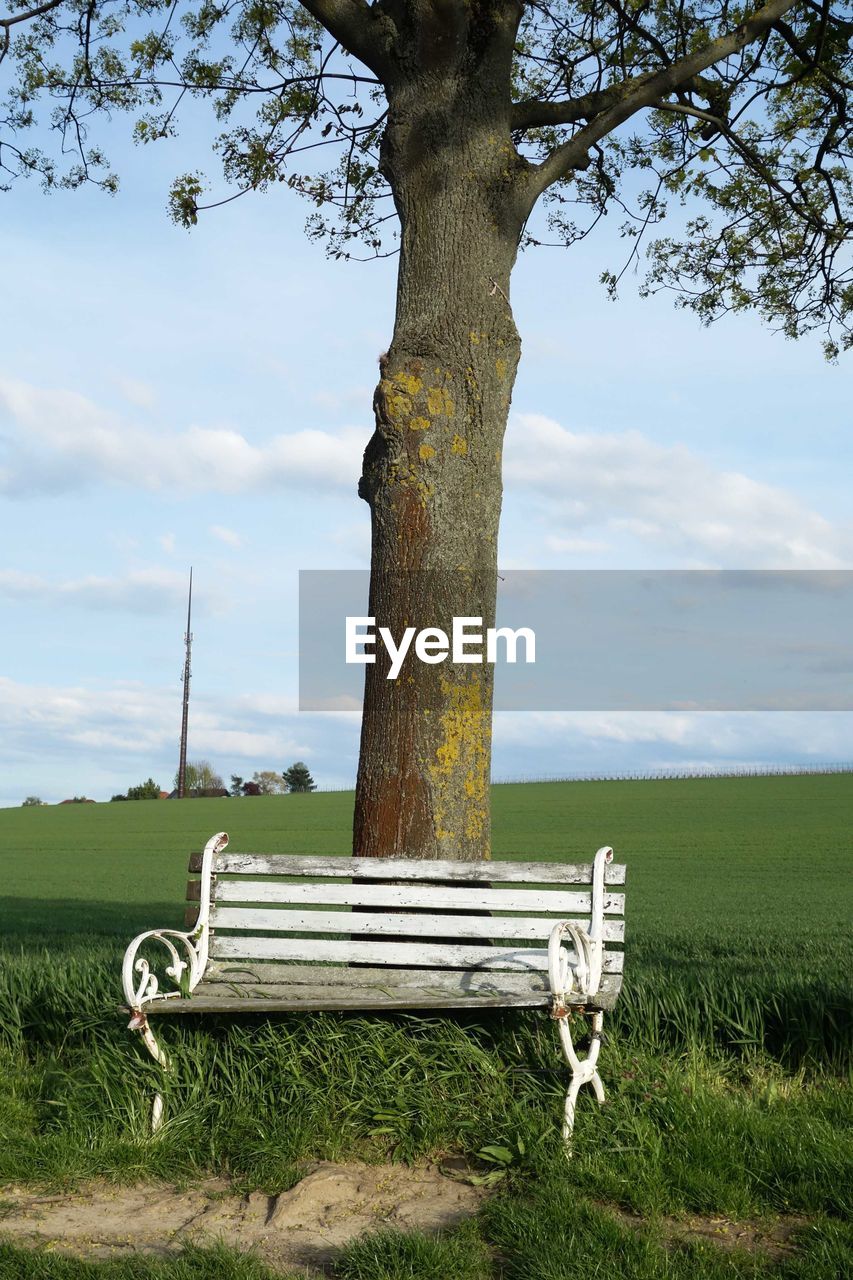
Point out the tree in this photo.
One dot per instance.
(298, 778)
(452, 120)
(201, 779)
(31, 802)
(251, 789)
(149, 790)
(269, 782)
(236, 787)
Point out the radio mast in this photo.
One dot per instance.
(185, 708)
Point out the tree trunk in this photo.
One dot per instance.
(432, 469)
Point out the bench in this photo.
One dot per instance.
(271, 933)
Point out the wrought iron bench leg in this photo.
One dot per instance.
(583, 1070)
(139, 1022)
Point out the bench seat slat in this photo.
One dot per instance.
(282, 864)
(450, 898)
(267, 973)
(421, 955)
(436, 926)
(363, 989)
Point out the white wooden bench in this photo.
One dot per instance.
(274, 933)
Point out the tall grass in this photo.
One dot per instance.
(687, 1054)
(725, 1062)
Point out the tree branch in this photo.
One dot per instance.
(685, 109)
(648, 93)
(533, 113)
(358, 27)
(810, 59)
(24, 16)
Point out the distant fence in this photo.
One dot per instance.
(674, 774)
(666, 775)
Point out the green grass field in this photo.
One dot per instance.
(726, 1066)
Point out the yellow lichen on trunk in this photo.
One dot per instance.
(461, 766)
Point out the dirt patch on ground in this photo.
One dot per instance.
(302, 1227)
(773, 1239)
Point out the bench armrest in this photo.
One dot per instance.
(585, 973)
(187, 952)
(142, 985)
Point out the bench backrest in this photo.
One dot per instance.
(400, 912)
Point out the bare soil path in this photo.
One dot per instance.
(303, 1227)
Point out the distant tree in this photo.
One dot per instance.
(298, 778)
(31, 802)
(269, 782)
(251, 789)
(202, 778)
(149, 790)
(120, 797)
(236, 784)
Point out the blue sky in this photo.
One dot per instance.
(171, 398)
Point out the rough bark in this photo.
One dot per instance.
(432, 470)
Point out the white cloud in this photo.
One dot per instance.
(575, 545)
(223, 534)
(145, 591)
(267, 704)
(664, 496)
(61, 440)
(354, 538)
(137, 392)
(351, 398)
(549, 744)
(671, 728)
(598, 493)
(123, 542)
(99, 739)
(167, 542)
